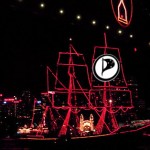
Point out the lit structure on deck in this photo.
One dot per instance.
(86, 126)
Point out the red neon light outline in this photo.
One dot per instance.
(121, 21)
(120, 17)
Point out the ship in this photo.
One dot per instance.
(78, 106)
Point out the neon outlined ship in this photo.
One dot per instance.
(76, 95)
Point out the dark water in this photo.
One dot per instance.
(117, 142)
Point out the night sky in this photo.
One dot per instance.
(32, 32)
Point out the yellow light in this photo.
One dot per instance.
(110, 101)
(120, 31)
(42, 5)
(131, 35)
(78, 17)
(70, 39)
(93, 22)
(61, 11)
(107, 27)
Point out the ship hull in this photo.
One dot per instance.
(116, 141)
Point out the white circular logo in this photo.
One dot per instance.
(106, 67)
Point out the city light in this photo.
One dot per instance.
(39, 102)
(110, 101)
(51, 92)
(135, 49)
(70, 39)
